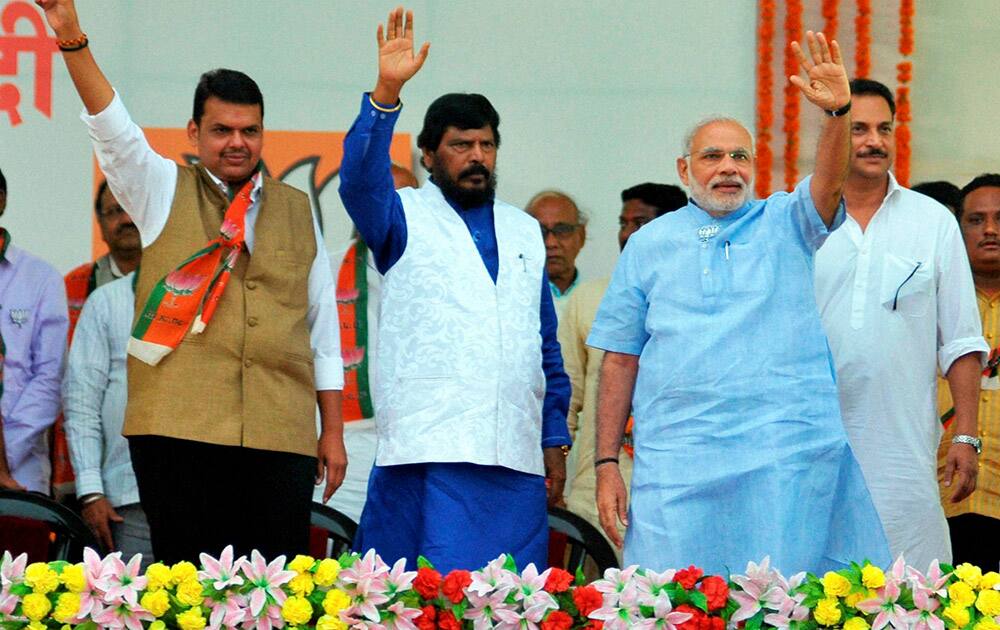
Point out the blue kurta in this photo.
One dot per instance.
(740, 451)
(458, 515)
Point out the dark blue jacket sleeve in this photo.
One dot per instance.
(366, 186)
(555, 432)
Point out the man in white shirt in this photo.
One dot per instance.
(230, 391)
(95, 391)
(896, 295)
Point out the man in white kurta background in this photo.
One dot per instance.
(897, 300)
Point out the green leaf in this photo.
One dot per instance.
(424, 563)
(509, 563)
(347, 560)
(21, 589)
(755, 622)
(580, 579)
(699, 599)
(459, 610)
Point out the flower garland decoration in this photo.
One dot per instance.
(793, 33)
(903, 76)
(863, 39)
(765, 99)
(364, 593)
(829, 12)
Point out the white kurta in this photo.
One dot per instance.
(898, 303)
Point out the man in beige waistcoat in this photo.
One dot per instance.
(224, 375)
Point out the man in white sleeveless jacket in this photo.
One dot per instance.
(470, 392)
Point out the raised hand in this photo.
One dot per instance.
(61, 16)
(397, 62)
(828, 86)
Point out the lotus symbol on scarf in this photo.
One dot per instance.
(180, 283)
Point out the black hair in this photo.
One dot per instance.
(868, 87)
(945, 193)
(231, 86)
(97, 198)
(464, 111)
(986, 179)
(3, 182)
(664, 197)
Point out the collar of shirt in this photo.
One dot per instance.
(572, 285)
(702, 215)
(258, 185)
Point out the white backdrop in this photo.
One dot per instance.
(593, 97)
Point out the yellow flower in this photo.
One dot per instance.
(329, 622)
(852, 599)
(35, 606)
(872, 576)
(159, 575)
(989, 580)
(157, 625)
(986, 623)
(827, 611)
(156, 602)
(191, 619)
(958, 616)
(969, 573)
(38, 625)
(301, 584)
(41, 578)
(189, 592)
(301, 563)
(67, 606)
(988, 603)
(183, 571)
(297, 610)
(73, 577)
(961, 594)
(335, 601)
(856, 623)
(326, 572)
(835, 584)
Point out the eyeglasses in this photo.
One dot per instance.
(714, 156)
(559, 230)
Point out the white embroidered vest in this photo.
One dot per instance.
(458, 373)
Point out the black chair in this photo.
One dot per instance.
(584, 541)
(337, 527)
(69, 534)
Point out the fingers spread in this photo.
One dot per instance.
(801, 56)
(835, 53)
(824, 48)
(408, 28)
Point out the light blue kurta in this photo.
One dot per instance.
(740, 451)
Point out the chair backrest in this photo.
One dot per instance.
(69, 533)
(338, 530)
(583, 541)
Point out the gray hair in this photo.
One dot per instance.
(701, 124)
(552, 193)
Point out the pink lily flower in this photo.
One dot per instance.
(483, 608)
(228, 613)
(513, 619)
(120, 581)
(266, 580)
(11, 573)
(530, 589)
(366, 581)
(760, 588)
(789, 609)
(92, 597)
(884, 605)
(651, 584)
(493, 578)
(932, 583)
(614, 583)
(615, 617)
(398, 579)
(922, 617)
(122, 615)
(270, 619)
(224, 571)
(399, 617)
(665, 618)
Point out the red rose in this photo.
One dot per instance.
(557, 620)
(427, 583)
(713, 623)
(558, 581)
(596, 624)
(716, 590)
(426, 620)
(688, 577)
(694, 623)
(587, 599)
(454, 585)
(446, 621)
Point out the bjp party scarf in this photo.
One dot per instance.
(352, 308)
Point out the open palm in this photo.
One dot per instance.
(827, 86)
(397, 62)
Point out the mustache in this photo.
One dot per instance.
(873, 153)
(988, 241)
(122, 229)
(727, 180)
(475, 169)
(239, 152)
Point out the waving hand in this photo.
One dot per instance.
(397, 62)
(827, 85)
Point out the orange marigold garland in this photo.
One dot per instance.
(863, 39)
(903, 76)
(830, 18)
(793, 33)
(765, 99)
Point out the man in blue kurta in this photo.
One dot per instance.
(713, 339)
(469, 389)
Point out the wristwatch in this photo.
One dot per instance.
(974, 442)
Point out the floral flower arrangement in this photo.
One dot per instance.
(364, 592)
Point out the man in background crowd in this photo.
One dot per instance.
(564, 231)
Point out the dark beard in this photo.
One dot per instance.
(465, 197)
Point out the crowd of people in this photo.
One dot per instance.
(759, 377)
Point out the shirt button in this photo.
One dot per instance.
(705, 272)
(247, 362)
(251, 285)
(373, 114)
(985, 398)
(704, 245)
(251, 322)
